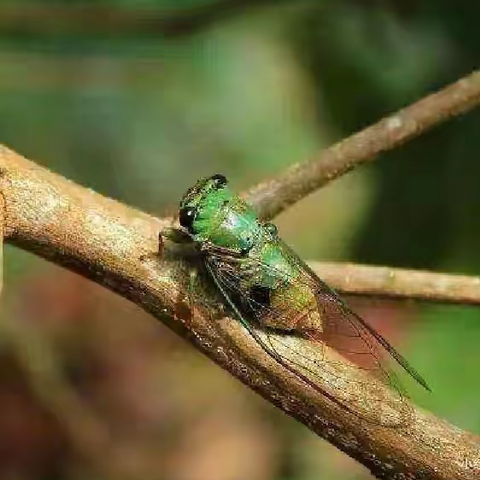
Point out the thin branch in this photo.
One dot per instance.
(399, 283)
(275, 195)
(118, 247)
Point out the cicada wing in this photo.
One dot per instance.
(343, 326)
(332, 361)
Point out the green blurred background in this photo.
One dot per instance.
(137, 100)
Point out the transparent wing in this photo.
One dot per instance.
(345, 350)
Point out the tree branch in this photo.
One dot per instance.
(118, 247)
(275, 195)
(399, 283)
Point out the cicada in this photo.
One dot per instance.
(277, 298)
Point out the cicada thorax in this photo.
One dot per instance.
(232, 226)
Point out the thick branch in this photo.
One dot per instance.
(275, 195)
(399, 283)
(118, 247)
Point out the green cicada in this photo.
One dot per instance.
(275, 295)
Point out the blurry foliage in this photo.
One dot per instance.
(142, 116)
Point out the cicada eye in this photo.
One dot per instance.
(220, 180)
(187, 216)
(271, 228)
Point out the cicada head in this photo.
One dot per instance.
(202, 203)
(209, 211)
